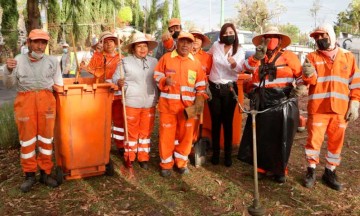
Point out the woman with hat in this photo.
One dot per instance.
(136, 75)
(274, 70)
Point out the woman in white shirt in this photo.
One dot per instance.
(228, 59)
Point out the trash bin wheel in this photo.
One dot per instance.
(109, 168)
(59, 175)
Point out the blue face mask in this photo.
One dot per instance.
(65, 50)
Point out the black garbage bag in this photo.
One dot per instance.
(275, 131)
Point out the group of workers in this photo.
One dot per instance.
(180, 82)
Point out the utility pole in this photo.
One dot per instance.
(222, 13)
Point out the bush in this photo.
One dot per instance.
(8, 131)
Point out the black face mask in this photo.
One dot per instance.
(229, 39)
(323, 44)
(176, 34)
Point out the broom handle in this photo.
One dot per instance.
(76, 59)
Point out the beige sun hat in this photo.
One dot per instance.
(204, 38)
(108, 35)
(270, 31)
(138, 38)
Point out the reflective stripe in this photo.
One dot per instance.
(248, 66)
(176, 142)
(331, 155)
(312, 157)
(118, 129)
(188, 98)
(130, 150)
(144, 141)
(187, 88)
(157, 73)
(332, 78)
(157, 79)
(167, 160)
(45, 140)
(201, 83)
(27, 143)
(147, 150)
(328, 95)
(277, 81)
(333, 160)
(320, 63)
(178, 155)
(311, 152)
(28, 155)
(356, 75)
(170, 96)
(354, 86)
(108, 80)
(342, 125)
(318, 124)
(118, 137)
(131, 143)
(45, 151)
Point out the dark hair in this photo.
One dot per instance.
(222, 32)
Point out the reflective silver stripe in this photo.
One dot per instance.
(28, 155)
(147, 150)
(320, 63)
(130, 150)
(328, 95)
(187, 88)
(157, 73)
(45, 151)
(333, 160)
(311, 152)
(27, 143)
(277, 81)
(356, 75)
(131, 143)
(333, 78)
(118, 137)
(176, 142)
(45, 140)
(177, 155)
(108, 80)
(188, 98)
(201, 83)
(354, 86)
(331, 155)
(248, 66)
(170, 96)
(118, 129)
(144, 141)
(167, 160)
(342, 125)
(202, 91)
(312, 157)
(318, 124)
(157, 79)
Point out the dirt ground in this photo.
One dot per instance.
(208, 190)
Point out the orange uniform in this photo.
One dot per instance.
(176, 132)
(330, 89)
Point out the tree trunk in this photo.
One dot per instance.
(33, 15)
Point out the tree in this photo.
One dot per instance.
(32, 15)
(175, 10)
(54, 17)
(254, 15)
(315, 9)
(164, 14)
(292, 31)
(153, 17)
(125, 16)
(9, 22)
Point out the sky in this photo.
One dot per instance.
(206, 13)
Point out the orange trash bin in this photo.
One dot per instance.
(83, 128)
(237, 120)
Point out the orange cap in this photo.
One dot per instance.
(37, 34)
(186, 35)
(174, 22)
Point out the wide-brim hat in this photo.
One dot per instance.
(205, 40)
(108, 35)
(39, 34)
(272, 31)
(65, 44)
(139, 38)
(186, 35)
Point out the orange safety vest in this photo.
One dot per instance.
(205, 60)
(97, 68)
(334, 83)
(189, 77)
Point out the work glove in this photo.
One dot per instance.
(208, 92)
(299, 90)
(190, 112)
(353, 111)
(121, 83)
(199, 104)
(261, 49)
(308, 69)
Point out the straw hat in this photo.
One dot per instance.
(186, 35)
(272, 31)
(108, 35)
(204, 38)
(37, 34)
(138, 38)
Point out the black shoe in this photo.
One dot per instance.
(30, 180)
(310, 177)
(184, 171)
(279, 179)
(215, 159)
(165, 173)
(228, 161)
(47, 180)
(330, 179)
(121, 152)
(144, 165)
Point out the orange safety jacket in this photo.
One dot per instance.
(205, 60)
(96, 65)
(334, 82)
(189, 77)
(288, 70)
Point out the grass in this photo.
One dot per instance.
(8, 129)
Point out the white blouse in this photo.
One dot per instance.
(221, 71)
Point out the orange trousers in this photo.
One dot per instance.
(35, 118)
(140, 123)
(175, 141)
(334, 126)
(117, 114)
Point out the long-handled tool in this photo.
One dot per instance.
(77, 74)
(200, 146)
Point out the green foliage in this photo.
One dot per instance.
(349, 20)
(292, 31)
(54, 18)
(8, 130)
(175, 10)
(137, 14)
(153, 17)
(10, 19)
(125, 14)
(165, 16)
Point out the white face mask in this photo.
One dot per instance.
(37, 56)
